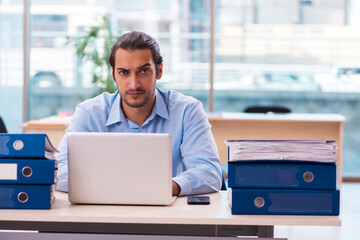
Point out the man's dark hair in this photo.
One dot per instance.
(135, 41)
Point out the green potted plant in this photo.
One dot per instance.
(94, 47)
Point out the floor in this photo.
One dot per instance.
(349, 215)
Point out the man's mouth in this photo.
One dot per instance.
(135, 94)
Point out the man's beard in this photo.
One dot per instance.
(137, 104)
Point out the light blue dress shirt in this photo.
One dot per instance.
(196, 164)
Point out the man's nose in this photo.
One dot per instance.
(134, 82)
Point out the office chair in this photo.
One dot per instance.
(2, 126)
(267, 109)
(224, 173)
(223, 185)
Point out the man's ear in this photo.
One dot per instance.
(160, 71)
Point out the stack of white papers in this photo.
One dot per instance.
(293, 150)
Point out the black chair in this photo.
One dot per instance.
(223, 185)
(224, 174)
(2, 126)
(267, 109)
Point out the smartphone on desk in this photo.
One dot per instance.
(198, 200)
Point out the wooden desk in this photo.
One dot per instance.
(243, 126)
(178, 219)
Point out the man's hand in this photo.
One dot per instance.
(175, 189)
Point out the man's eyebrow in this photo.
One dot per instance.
(122, 69)
(145, 65)
(142, 66)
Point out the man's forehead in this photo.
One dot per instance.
(133, 58)
(133, 53)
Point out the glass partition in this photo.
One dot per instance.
(11, 64)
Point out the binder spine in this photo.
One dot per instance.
(27, 171)
(282, 175)
(26, 196)
(285, 202)
(22, 145)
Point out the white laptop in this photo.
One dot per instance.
(120, 168)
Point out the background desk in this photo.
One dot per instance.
(293, 126)
(53, 126)
(178, 219)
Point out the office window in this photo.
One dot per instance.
(59, 79)
(11, 64)
(55, 85)
(298, 54)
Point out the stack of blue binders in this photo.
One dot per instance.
(280, 186)
(27, 171)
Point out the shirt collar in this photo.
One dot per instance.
(117, 115)
(160, 107)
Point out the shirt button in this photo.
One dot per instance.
(140, 129)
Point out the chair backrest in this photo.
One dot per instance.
(2, 126)
(223, 185)
(224, 173)
(267, 109)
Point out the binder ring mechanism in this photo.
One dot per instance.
(26, 171)
(308, 177)
(23, 197)
(259, 202)
(18, 145)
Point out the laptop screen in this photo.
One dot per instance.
(120, 168)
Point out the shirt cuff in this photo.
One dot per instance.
(185, 186)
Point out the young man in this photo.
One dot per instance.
(138, 106)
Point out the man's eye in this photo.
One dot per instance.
(123, 72)
(145, 70)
